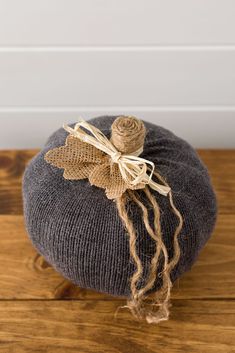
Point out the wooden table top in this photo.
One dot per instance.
(42, 312)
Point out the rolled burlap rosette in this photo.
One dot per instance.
(128, 135)
(164, 209)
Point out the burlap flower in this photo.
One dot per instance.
(81, 160)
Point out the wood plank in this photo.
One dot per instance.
(12, 166)
(221, 165)
(186, 123)
(90, 326)
(112, 78)
(28, 277)
(32, 319)
(98, 22)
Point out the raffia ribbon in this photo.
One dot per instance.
(85, 156)
(115, 165)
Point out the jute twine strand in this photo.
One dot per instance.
(160, 249)
(121, 206)
(158, 310)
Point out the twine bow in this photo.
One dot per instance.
(133, 172)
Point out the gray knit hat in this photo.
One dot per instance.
(79, 231)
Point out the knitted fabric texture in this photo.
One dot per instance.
(78, 229)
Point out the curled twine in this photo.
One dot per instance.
(124, 148)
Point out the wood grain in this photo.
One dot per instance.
(90, 326)
(27, 277)
(221, 165)
(42, 312)
(12, 166)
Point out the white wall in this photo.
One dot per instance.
(169, 62)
